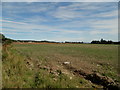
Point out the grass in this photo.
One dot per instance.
(106, 54)
(88, 57)
(14, 71)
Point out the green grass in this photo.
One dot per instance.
(86, 52)
(88, 57)
(14, 71)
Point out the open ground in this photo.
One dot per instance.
(60, 65)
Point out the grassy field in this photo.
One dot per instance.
(41, 65)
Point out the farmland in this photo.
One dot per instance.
(42, 65)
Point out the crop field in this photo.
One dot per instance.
(60, 65)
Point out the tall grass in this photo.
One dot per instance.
(15, 74)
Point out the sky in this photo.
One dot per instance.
(60, 21)
(60, 0)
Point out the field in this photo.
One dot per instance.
(60, 65)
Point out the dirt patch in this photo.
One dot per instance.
(34, 43)
(95, 78)
(78, 63)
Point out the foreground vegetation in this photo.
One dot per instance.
(55, 65)
(19, 72)
(41, 65)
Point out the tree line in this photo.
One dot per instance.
(5, 41)
(102, 41)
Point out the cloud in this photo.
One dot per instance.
(23, 7)
(85, 10)
(105, 27)
(67, 39)
(65, 21)
(12, 33)
(60, 1)
(12, 22)
(26, 27)
(35, 20)
(113, 13)
(94, 32)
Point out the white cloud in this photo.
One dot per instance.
(12, 33)
(17, 8)
(82, 24)
(105, 27)
(12, 22)
(85, 10)
(94, 32)
(35, 20)
(26, 27)
(60, 0)
(113, 13)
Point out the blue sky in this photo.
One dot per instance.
(60, 21)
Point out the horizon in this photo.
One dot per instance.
(56, 41)
(60, 21)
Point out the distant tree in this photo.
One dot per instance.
(95, 42)
(102, 41)
(110, 42)
(2, 38)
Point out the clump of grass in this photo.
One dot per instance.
(44, 79)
